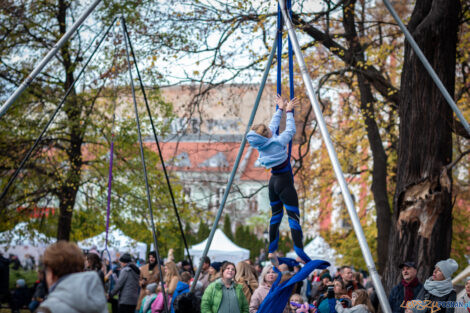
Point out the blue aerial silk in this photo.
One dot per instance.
(289, 261)
(279, 295)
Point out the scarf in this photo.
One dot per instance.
(438, 288)
(409, 288)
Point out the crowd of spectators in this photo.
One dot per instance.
(71, 281)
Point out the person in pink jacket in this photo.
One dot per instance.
(266, 279)
(158, 306)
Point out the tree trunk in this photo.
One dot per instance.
(72, 108)
(379, 157)
(422, 202)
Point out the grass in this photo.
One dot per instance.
(29, 276)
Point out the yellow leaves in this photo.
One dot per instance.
(196, 72)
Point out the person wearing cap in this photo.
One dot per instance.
(407, 289)
(465, 298)
(127, 285)
(439, 287)
(149, 273)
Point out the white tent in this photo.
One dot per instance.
(221, 249)
(21, 241)
(318, 248)
(118, 242)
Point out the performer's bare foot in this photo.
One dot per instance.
(273, 257)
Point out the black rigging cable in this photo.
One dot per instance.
(158, 146)
(36, 143)
(149, 201)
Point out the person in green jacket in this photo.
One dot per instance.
(224, 295)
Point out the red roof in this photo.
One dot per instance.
(211, 157)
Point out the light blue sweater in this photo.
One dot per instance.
(273, 151)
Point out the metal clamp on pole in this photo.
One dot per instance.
(336, 166)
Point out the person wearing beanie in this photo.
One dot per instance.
(20, 295)
(127, 285)
(149, 273)
(186, 267)
(321, 287)
(465, 298)
(326, 276)
(407, 290)
(148, 299)
(214, 271)
(439, 286)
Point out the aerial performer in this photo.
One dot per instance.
(272, 148)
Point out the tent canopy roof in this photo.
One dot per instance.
(220, 243)
(221, 249)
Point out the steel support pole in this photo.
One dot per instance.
(237, 162)
(47, 59)
(59, 107)
(428, 66)
(336, 166)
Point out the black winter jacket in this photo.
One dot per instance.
(397, 296)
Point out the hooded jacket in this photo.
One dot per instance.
(127, 285)
(258, 296)
(273, 151)
(180, 288)
(76, 293)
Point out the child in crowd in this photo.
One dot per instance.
(360, 303)
(149, 298)
(187, 303)
(273, 155)
(297, 299)
(158, 305)
(20, 296)
(181, 287)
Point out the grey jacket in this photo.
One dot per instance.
(76, 293)
(127, 285)
(360, 308)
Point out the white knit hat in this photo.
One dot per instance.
(447, 267)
